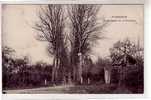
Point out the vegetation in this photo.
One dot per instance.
(18, 73)
(76, 45)
(128, 58)
(72, 64)
(51, 27)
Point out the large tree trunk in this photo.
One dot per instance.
(53, 70)
(80, 79)
(56, 69)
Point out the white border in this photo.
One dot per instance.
(0, 57)
(147, 46)
(73, 1)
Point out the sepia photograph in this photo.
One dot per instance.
(72, 49)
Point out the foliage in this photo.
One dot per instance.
(51, 29)
(127, 57)
(84, 32)
(18, 73)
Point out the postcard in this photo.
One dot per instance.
(70, 49)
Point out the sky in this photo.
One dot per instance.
(18, 32)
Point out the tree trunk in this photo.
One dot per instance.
(80, 79)
(74, 73)
(53, 71)
(56, 69)
(69, 78)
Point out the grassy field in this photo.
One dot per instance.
(71, 89)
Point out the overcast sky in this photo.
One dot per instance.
(17, 31)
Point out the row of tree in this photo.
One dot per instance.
(69, 44)
(19, 73)
(71, 31)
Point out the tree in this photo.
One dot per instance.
(7, 64)
(51, 29)
(20, 70)
(85, 30)
(123, 54)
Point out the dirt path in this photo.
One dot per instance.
(70, 89)
(45, 90)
